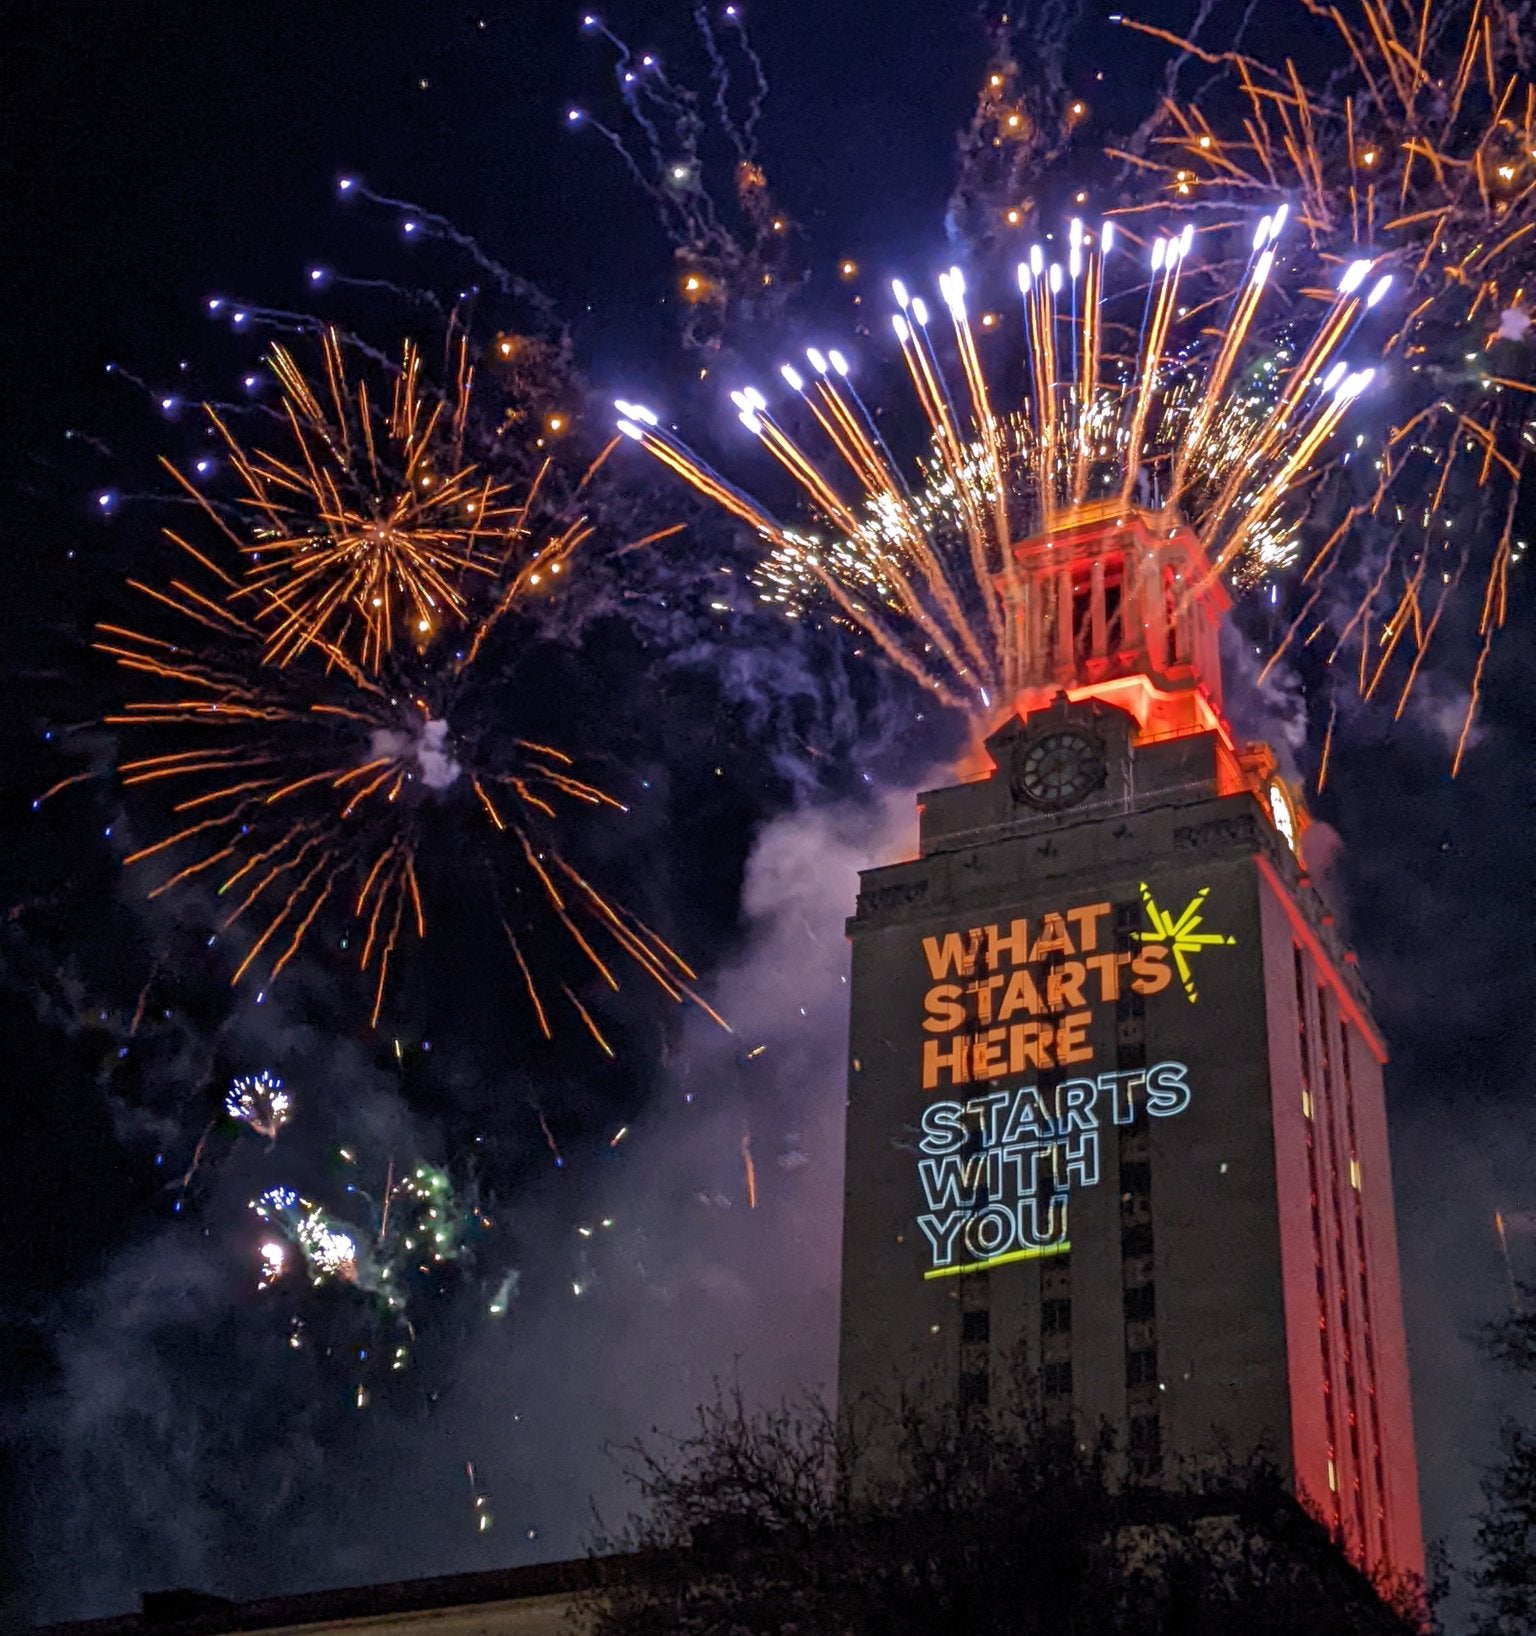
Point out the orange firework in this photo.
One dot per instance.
(314, 785)
(366, 523)
(1420, 150)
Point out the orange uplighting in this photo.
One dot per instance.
(1159, 714)
(1304, 932)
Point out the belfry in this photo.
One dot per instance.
(1115, 1094)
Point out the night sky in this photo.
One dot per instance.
(162, 1430)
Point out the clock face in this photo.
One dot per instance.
(1059, 769)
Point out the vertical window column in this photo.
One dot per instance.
(975, 1340)
(1363, 1304)
(1338, 1186)
(1138, 1286)
(1056, 1335)
(1055, 1277)
(1304, 1054)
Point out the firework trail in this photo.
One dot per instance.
(1415, 148)
(1022, 125)
(315, 735)
(1130, 401)
(732, 258)
(417, 222)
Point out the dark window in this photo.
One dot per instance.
(1135, 1178)
(1146, 1446)
(1055, 1317)
(1127, 917)
(1136, 1269)
(1056, 1380)
(1141, 1302)
(1141, 1368)
(1136, 1241)
(974, 1388)
(1112, 612)
(976, 1327)
(1082, 614)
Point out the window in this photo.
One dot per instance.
(1135, 1178)
(1136, 1269)
(1141, 1302)
(1141, 1368)
(976, 1327)
(1082, 614)
(975, 1388)
(1136, 1241)
(1055, 1317)
(1112, 620)
(1056, 1380)
(1146, 1446)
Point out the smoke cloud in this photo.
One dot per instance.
(428, 747)
(186, 1439)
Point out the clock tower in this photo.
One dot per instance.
(1115, 1102)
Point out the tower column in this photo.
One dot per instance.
(1096, 600)
(1154, 615)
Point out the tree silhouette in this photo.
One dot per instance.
(909, 1518)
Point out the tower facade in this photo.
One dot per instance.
(1115, 1095)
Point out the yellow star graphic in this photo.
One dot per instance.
(1181, 934)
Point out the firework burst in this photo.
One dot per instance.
(311, 782)
(417, 1234)
(732, 249)
(1143, 400)
(1417, 148)
(367, 523)
(260, 1102)
(1022, 127)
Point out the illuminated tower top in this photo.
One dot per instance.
(1118, 603)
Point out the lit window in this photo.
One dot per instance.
(1280, 813)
